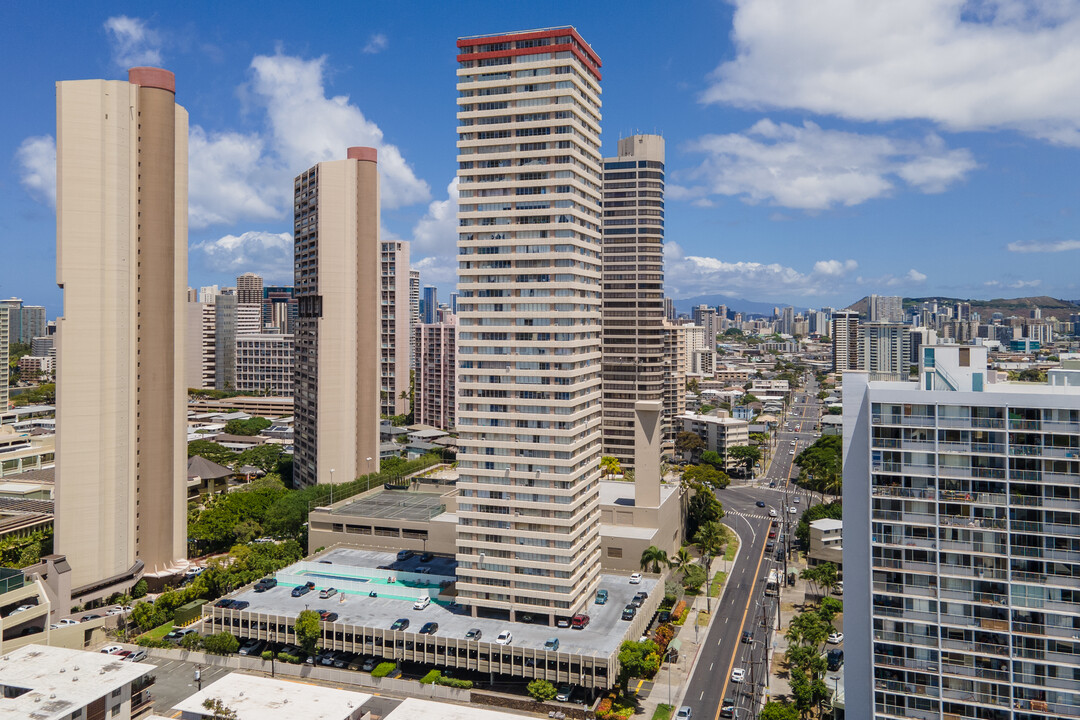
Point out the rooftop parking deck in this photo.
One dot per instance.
(394, 504)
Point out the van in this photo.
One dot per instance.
(404, 555)
(835, 659)
(421, 602)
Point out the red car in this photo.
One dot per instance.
(579, 622)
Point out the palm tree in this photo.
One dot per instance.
(682, 561)
(610, 466)
(654, 558)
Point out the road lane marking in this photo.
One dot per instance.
(746, 611)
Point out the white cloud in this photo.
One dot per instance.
(811, 168)
(915, 276)
(307, 127)
(265, 253)
(434, 239)
(133, 43)
(1015, 285)
(37, 167)
(376, 43)
(1043, 246)
(911, 277)
(964, 65)
(231, 179)
(689, 275)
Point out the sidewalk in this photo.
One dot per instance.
(791, 601)
(675, 675)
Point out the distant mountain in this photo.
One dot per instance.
(736, 304)
(1006, 306)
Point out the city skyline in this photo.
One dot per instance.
(941, 196)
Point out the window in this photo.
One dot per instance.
(614, 552)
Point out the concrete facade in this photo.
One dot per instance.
(436, 374)
(338, 331)
(265, 364)
(845, 340)
(121, 211)
(720, 433)
(529, 276)
(396, 338)
(633, 281)
(674, 382)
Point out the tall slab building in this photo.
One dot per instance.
(396, 342)
(337, 287)
(529, 386)
(121, 260)
(633, 309)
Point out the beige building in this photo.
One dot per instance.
(249, 289)
(338, 329)
(826, 542)
(21, 451)
(200, 351)
(633, 308)
(5, 333)
(436, 374)
(529, 271)
(719, 432)
(845, 341)
(396, 328)
(121, 224)
(265, 364)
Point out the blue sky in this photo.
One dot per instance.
(816, 152)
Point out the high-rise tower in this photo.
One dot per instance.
(249, 289)
(121, 226)
(529, 184)
(633, 310)
(337, 285)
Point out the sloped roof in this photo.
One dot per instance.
(198, 466)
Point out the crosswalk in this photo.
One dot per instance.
(753, 516)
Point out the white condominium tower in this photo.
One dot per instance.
(529, 322)
(633, 310)
(962, 588)
(121, 259)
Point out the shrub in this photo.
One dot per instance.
(432, 677)
(383, 669)
(144, 641)
(191, 641)
(140, 589)
(455, 682)
(222, 643)
(678, 615)
(286, 657)
(267, 654)
(541, 690)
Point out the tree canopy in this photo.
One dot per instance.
(746, 455)
(706, 475)
(637, 659)
(822, 465)
(251, 426)
(308, 631)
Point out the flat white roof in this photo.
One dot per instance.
(60, 680)
(261, 698)
(414, 709)
(827, 524)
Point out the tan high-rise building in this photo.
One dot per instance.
(249, 289)
(845, 340)
(5, 330)
(633, 329)
(337, 285)
(436, 374)
(529, 387)
(121, 257)
(674, 382)
(396, 341)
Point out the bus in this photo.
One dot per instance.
(772, 583)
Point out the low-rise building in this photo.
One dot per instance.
(253, 697)
(53, 683)
(22, 450)
(719, 432)
(826, 542)
(265, 364)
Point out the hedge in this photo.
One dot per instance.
(383, 669)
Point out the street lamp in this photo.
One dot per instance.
(331, 486)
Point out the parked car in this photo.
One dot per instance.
(224, 603)
(67, 621)
(404, 555)
(21, 608)
(505, 638)
(727, 707)
(580, 621)
(327, 616)
(85, 618)
(635, 578)
(330, 657)
(836, 638)
(737, 675)
(629, 612)
(136, 655)
(111, 649)
(327, 593)
(300, 590)
(664, 616)
(427, 557)
(685, 713)
(563, 695)
(429, 628)
(421, 602)
(251, 647)
(240, 604)
(400, 624)
(551, 644)
(639, 599)
(835, 658)
(265, 584)
(839, 590)
(342, 661)
(474, 634)
(601, 596)
(770, 545)
(369, 665)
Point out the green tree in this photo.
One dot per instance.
(746, 455)
(706, 475)
(688, 442)
(829, 608)
(251, 426)
(610, 465)
(774, 710)
(265, 457)
(308, 630)
(713, 459)
(541, 690)
(710, 538)
(218, 709)
(212, 451)
(637, 660)
(653, 558)
(702, 506)
(692, 385)
(191, 641)
(682, 561)
(140, 589)
(694, 578)
(834, 510)
(222, 643)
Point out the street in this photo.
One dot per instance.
(746, 608)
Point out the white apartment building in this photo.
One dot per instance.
(265, 364)
(396, 324)
(674, 382)
(962, 517)
(885, 308)
(884, 350)
(720, 432)
(529, 386)
(633, 299)
(845, 340)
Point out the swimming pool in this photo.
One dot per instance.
(363, 581)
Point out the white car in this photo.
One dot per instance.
(793, 510)
(737, 675)
(836, 638)
(21, 608)
(685, 713)
(111, 649)
(772, 512)
(63, 623)
(505, 638)
(136, 656)
(119, 609)
(635, 578)
(797, 500)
